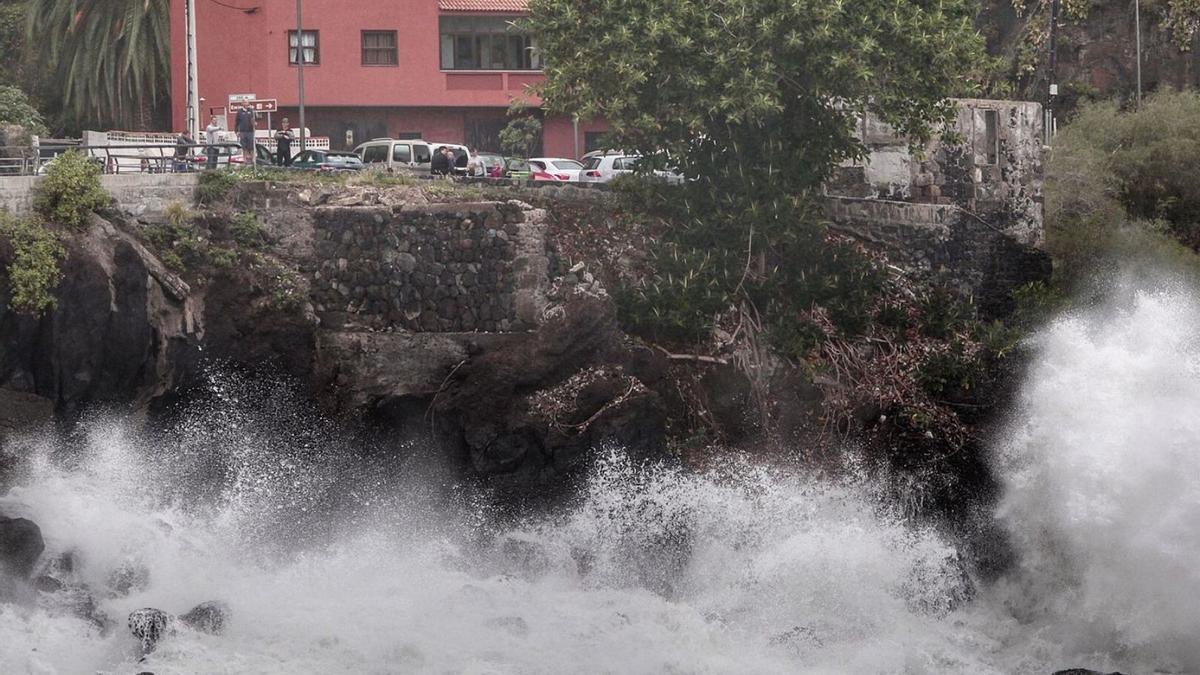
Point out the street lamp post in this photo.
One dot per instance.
(300, 65)
(193, 84)
(1137, 27)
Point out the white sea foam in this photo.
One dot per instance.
(337, 561)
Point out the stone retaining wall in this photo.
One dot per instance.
(435, 268)
(947, 244)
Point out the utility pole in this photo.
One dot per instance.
(193, 84)
(1137, 27)
(300, 65)
(1052, 88)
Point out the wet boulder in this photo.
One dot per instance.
(20, 546)
(129, 577)
(207, 617)
(149, 625)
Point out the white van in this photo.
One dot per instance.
(460, 166)
(392, 155)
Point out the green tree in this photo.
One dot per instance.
(758, 95)
(111, 58)
(523, 133)
(755, 102)
(70, 190)
(15, 108)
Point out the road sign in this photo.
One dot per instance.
(238, 98)
(263, 105)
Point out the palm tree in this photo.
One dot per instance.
(111, 58)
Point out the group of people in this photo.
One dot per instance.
(445, 161)
(245, 128)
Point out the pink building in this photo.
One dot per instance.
(442, 70)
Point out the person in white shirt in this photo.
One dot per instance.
(210, 133)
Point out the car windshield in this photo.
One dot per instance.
(518, 165)
(591, 163)
(568, 164)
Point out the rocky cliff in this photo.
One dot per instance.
(484, 327)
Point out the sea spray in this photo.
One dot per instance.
(1101, 466)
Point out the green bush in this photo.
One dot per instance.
(70, 191)
(215, 185)
(15, 108)
(247, 230)
(34, 272)
(1125, 186)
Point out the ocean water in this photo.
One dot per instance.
(338, 559)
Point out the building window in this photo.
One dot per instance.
(311, 48)
(379, 48)
(593, 140)
(486, 43)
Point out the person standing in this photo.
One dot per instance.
(210, 136)
(440, 164)
(244, 125)
(283, 143)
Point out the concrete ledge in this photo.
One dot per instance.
(137, 193)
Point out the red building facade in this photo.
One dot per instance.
(442, 70)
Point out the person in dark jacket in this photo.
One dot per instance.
(283, 143)
(439, 164)
(244, 125)
(460, 161)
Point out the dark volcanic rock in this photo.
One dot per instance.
(207, 617)
(117, 335)
(20, 546)
(529, 412)
(150, 625)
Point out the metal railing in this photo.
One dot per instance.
(128, 158)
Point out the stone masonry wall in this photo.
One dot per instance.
(436, 268)
(947, 244)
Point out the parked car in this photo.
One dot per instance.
(603, 166)
(516, 168)
(489, 164)
(563, 169)
(224, 154)
(391, 155)
(325, 160)
(262, 156)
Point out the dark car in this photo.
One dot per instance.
(515, 167)
(324, 160)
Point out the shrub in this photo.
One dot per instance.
(247, 230)
(34, 271)
(70, 190)
(1123, 185)
(15, 108)
(215, 186)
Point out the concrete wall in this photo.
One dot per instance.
(137, 194)
(987, 162)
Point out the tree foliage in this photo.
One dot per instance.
(33, 272)
(1126, 185)
(15, 108)
(755, 102)
(70, 190)
(111, 58)
(763, 94)
(522, 135)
